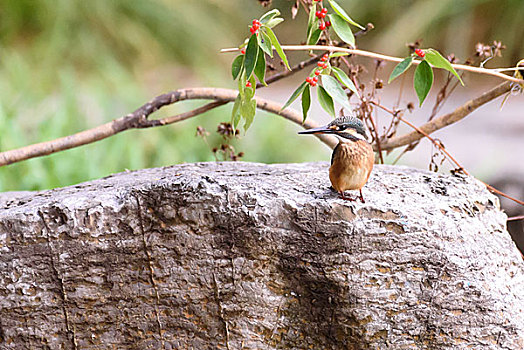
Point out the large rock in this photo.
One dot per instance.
(253, 256)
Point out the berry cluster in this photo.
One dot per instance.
(321, 15)
(312, 81)
(322, 64)
(420, 53)
(255, 27)
(323, 61)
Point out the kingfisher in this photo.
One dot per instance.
(353, 157)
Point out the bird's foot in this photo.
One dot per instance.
(344, 197)
(362, 197)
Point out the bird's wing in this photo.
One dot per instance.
(335, 150)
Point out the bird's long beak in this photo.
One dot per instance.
(320, 130)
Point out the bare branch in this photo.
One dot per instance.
(138, 119)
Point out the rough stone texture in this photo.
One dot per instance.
(253, 256)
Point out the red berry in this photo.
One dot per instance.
(320, 64)
(324, 58)
(420, 53)
(321, 26)
(318, 14)
(252, 30)
(315, 79)
(308, 79)
(328, 24)
(248, 84)
(313, 83)
(322, 15)
(317, 72)
(324, 10)
(243, 51)
(324, 65)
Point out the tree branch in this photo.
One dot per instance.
(138, 119)
(357, 52)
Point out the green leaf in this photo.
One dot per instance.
(306, 102)
(237, 66)
(260, 68)
(339, 54)
(251, 55)
(295, 94)
(325, 101)
(423, 80)
(437, 60)
(274, 22)
(340, 11)
(311, 23)
(235, 116)
(344, 79)
(268, 16)
(342, 29)
(265, 43)
(248, 110)
(334, 89)
(400, 68)
(313, 38)
(277, 46)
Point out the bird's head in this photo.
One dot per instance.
(348, 127)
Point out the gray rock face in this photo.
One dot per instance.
(253, 256)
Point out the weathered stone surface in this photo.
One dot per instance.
(253, 256)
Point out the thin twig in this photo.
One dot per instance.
(515, 218)
(493, 72)
(494, 190)
(419, 130)
(377, 138)
(372, 120)
(182, 116)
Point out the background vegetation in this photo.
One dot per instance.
(67, 65)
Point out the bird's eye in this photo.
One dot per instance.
(341, 127)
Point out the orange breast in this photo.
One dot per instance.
(352, 165)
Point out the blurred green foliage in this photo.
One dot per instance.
(67, 65)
